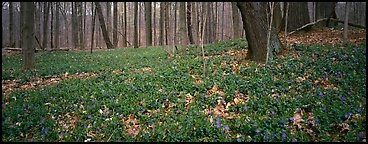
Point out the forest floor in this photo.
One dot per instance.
(313, 92)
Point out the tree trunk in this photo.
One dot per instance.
(190, 30)
(135, 41)
(325, 10)
(27, 36)
(93, 25)
(148, 19)
(108, 19)
(162, 8)
(167, 28)
(154, 24)
(125, 26)
(236, 28)
(183, 25)
(345, 35)
(255, 24)
(45, 24)
(175, 22)
(298, 15)
(11, 25)
(115, 23)
(277, 16)
(57, 25)
(103, 27)
(75, 25)
(80, 24)
(195, 30)
(84, 25)
(52, 26)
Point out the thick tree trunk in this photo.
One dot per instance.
(80, 24)
(52, 26)
(125, 26)
(27, 36)
(277, 16)
(255, 24)
(148, 19)
(108, 19)
(183, 25)
(154, 40)
(195, 30)
(103, 27)
(235, 13)
(115, 23)
(167, 28)
(189, 23)
(135, 41)
(75, 26)
(11, 25)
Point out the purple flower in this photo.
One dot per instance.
(257, 130)
(178, 111)
(358, 110)
(226, 127)
(122, 115)
(89, 116)
(85, 125)
(294, 140)
(291, 118)
(209, 112)
(349, 93)
(46, 131)
(324, 108)
(346, 115)
(43, 120)
(272, 112)
(360, 135)
(321, 93)
(143, 110)
(277, 94)
(308, 122)
(272, 137)
(227, 136)
(343, 98)
(218, 123)
(284, 135)
(96, 131)
(245, 107)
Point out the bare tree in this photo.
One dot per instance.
(135, 42)
(346, 21)
(27, 36)
(52, 25)
(103, 27)
(148, 19)
(11, 25)
(115, 23)
(298, 15)
(162, 8)
(182, 25)
(189, 23)
(236, 29)
(45, 24)
(93, 24)
(255, 24)
(57, 24)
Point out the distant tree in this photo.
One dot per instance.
(11, 25)
(93, 24)
(298, 15)
(183, 25)
(235, 13)
(189, 23)
(135, 41)
(325, 10)
(52, 25)
(161, 38)
(255, 23)
(27, 9)
(148, 19)
(75, 25)
(45, 24)
(57, 24)
(103, 27)
(115, 23)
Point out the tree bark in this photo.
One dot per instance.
(297, 15)
(135, 41)
(154, 24)
(57, 24)
(52, 26)
(115, 23)
(93, 25)
(326, 10)
(183, 25)
(27, 36)
(195, 30)
(125, 26)
(190, 30)
(255, 24)
(161, 38)
(148, 19)
(11, 25)
(75, 25)
(277, 16)
(108, 19)
(103, 27)
(45, 24)
(236, 29)
(80, 24)
(345, 35)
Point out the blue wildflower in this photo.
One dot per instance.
(343, 98)
(257, 130)
(358, 110)
(284, 135)
(291, 118)
(294, 140)
(227, 136)
(178, 111)
(96, 131)
(226, 127)
(360, 135)
(89, 116)
(349, 93)
(321, 93)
